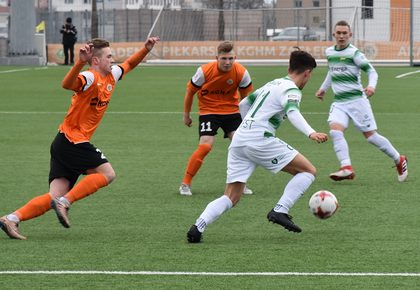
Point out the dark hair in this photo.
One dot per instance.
(342, 23)
(300, 61)
(68, 20)
(225, 47)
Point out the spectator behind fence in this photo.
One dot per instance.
(69, 32)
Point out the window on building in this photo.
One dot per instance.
(367, 9)
(87, 1)
(298, 3)
(68, 1)
(315, 3)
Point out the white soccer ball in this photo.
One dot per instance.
(323, 204)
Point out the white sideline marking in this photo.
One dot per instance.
(171, 113)
(117, 113)
(22, 69)
(13, 70)
(407, 74)
(162, 273)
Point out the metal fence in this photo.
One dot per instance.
(241, 25)
(383, 33)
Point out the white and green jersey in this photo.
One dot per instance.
(266, 109)
(344, 69)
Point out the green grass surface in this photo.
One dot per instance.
(139, 222)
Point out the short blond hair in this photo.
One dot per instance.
(225, 47)
(98, 44)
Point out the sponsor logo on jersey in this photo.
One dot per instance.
(98, 103)
(109, 87)
(215, 92)
(230, 81)
(338, 68)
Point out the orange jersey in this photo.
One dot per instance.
(90, 103)
(218, 90)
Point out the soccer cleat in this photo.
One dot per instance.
(284, 220)
(247, 190)
(194, 235)
(11, 229)
(185, 189)
(345, 172)
(62, 212)
(402, 169)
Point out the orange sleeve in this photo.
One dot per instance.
(133, 61)
(71, 81)
(246, 91)
(189, 95)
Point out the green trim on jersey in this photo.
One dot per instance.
(293, 89)
(268, 134)
(365, 67)
(275, 121)
(251, 98)
(340, 59)
(354, 94)
(337, 49)
(291, 106)
(345, 78)
(260, 104)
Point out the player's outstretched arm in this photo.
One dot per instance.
(137, 57)
(318, 137)
(71, 80)
(150, 42)
(297, 120)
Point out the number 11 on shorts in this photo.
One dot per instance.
(205, 127)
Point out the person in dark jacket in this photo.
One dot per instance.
(69, 32)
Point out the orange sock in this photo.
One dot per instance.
(88, 185)
(35, 207)
(195, 162)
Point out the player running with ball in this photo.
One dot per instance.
(254, 144)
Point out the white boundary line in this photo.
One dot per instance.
(162, 273)
(22, 69)
(407, 74)
(13, 70)
(169, 113)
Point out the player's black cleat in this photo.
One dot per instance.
(194, 235)
(284, 220)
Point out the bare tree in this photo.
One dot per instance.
(94, 24)
(221, 31)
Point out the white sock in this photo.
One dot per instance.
(341, 147)
(213, 211)
(13, 218)
(293, 191)
(385, 146)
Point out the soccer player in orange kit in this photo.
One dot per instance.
(217, 84)
(72, 154)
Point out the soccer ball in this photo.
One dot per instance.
(323, 204)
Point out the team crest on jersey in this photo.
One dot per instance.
(109, 87)
(230, 81)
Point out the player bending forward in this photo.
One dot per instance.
(254, 144)
(72, 154)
